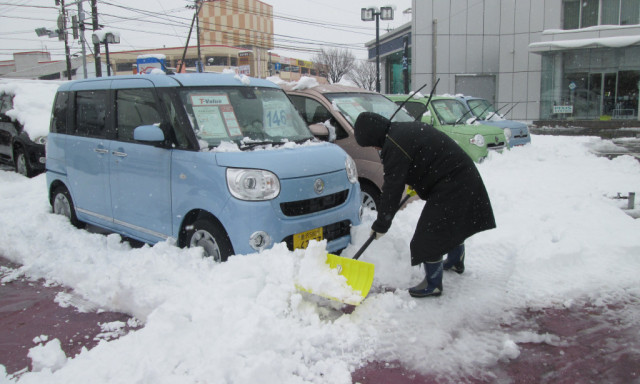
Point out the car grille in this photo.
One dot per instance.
(330, 232)
(495, 147)
(303, 207)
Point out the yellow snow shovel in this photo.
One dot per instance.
(359, 274)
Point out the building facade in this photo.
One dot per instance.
(247, 24)
(543, 59)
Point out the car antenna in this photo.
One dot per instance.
(426, 106)
(405, 102)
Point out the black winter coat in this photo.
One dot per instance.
(457, 204)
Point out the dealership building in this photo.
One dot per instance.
(562, 60)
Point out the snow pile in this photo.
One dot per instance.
(32, 104)
(560, 240)
(276, 80)
(305, 82)
(315, 276)
(48, 356)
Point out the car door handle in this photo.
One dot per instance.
(119, 154)
(101, 150)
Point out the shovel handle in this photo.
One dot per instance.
(373, 235)
(364, 246)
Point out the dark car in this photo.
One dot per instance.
(24, 152)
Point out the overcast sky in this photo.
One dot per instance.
(300, 25)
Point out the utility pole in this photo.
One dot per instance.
(199, 63)
(96, 46)
(62, 26)
(82, 40)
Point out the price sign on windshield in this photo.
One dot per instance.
(276, 119)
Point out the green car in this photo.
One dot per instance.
(451, 116)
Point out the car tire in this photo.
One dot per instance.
(22, 163)
(370, 196)
(62, 204)
(209, 235)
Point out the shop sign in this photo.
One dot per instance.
(563, 109)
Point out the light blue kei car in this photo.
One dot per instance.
(517, 133)
(213, 160)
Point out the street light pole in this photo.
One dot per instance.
(368, 14)
(106, 38)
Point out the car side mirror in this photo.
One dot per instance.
(320, 131)
(149, 133)
(427, 118)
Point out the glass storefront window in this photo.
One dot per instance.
(590, 84)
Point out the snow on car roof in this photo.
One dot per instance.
(32, 103)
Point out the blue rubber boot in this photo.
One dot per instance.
(432, 283)
(455, 260)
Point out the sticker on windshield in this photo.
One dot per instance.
(351, 108)
(215, 116)
(276, 119)
(384, 109)
(445, 112)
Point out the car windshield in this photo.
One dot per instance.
(450, 111)
(353, 104)
(481, 108)
(244, 115)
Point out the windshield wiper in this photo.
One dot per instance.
(505, 114)
(481, 113)
(461, 117)
(253, 144)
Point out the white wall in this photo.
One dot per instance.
(489, 37)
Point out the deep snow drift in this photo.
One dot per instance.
(561, 239)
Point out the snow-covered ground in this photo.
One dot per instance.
(561, 239)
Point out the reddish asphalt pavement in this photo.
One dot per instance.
(599, 348)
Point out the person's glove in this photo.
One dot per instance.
(410, 191)
(378, 235)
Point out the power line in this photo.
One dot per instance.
(170, 18)
(28, 6)
(284, 38)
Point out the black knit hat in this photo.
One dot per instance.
(371, 129)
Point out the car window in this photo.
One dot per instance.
(59, 117)
(6, 102)
(179, 135)
(352, 104)
(242, 115)
(450, 111)
(313, 112)
(91, 113)
(480, 108)
(135, 107)
(415, 108)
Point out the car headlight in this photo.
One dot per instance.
(477, 140)
(41, 140)
(352, 171)
(507, 134)
(252, 184)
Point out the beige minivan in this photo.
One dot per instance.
(331, 110)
